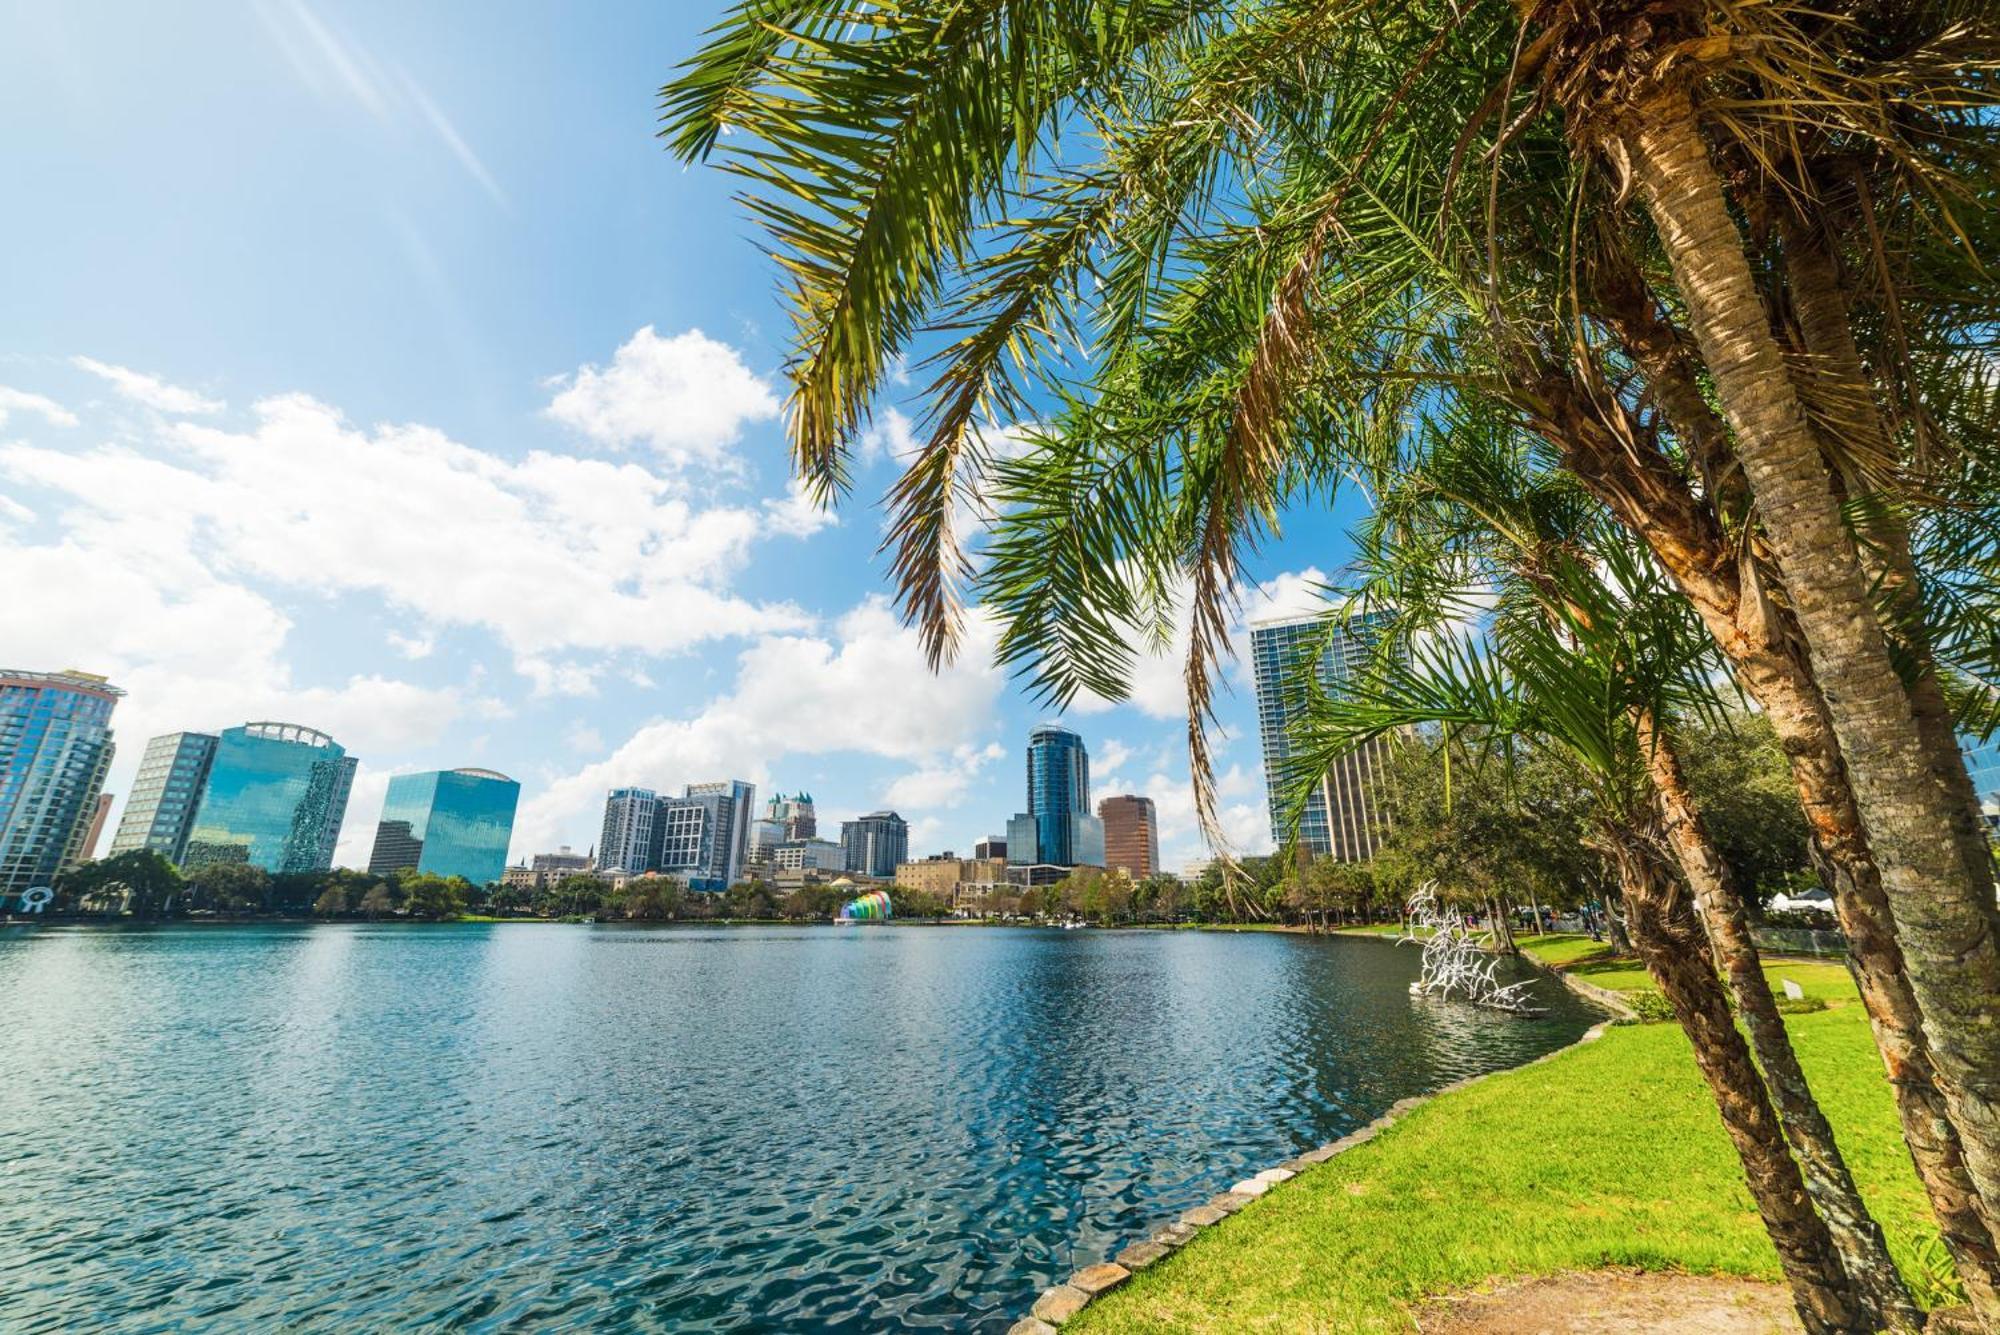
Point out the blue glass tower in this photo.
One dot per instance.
(1341, 819)
(55, 745)
(275, 797)
(1066, 833)
(454, 822)
(1982, 761)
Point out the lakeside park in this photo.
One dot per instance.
(1487, 518)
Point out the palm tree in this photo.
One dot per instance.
(1300, 214)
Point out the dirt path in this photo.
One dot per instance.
(1616, 1302)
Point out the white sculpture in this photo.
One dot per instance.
(1453, 963)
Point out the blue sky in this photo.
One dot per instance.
(371, 367)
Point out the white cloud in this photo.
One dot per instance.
(687, 396)
(862, 689)
(796, 514)
(890, 436)
(549, 552)
(944, 783)
(20, 400)
(149, 390)
(412, 646)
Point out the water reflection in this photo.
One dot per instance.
(685, 1129)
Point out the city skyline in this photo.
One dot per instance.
(300, 455)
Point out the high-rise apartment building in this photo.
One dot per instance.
(55, 746)
(735, 820)
(875, 844)
(159, 811)
(627, 842)
(785, 820)
(275, 797)
(1058, 828)
(1342, 817)
(701, 836)
(454, 822)
(1131, 835)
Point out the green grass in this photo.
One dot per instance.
(1611, 1154)
(1562, 948)
(1828, 982)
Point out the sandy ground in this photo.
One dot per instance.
(1615, 1302)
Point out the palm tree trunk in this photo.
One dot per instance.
(1760, 640)
(1935, 869)
(1864, 1252)
(1669, 939)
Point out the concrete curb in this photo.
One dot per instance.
(1058, 1304)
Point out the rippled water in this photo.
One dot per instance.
(557, 1128)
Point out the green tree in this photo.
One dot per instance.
(1703, 252)
(332, 902)
(377, 902)
(229, 887)
(145, 884)
(429, 895)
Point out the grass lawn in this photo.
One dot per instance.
(1611, 1154)
(1561, 948)
(1829, 982)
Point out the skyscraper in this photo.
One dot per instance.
(159, 811)
(1131, 835)
(702, 835)
(627, 842)
(275, 797)
(1064, 832)
(742, 799)
(55, 746)
(875, 844)
(1982, 762)
(451, 822)
(1342, 818)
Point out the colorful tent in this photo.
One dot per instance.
(871, 907)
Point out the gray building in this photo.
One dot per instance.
(875, 844)
(159, 811)
(1342, 817)
(989, 848)
(626, 841)
(55, 746)
(702, 836)
(740, 813)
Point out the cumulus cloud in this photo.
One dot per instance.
(149, 390)
(944, 783)
(863, 688)
(688, 397)
(20, 400)
(549, 552)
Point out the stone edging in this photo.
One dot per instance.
(1057, 1305)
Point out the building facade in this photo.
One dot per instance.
(992, 846)
(875, 844)
(1131, 835)
(701, 837)
(1342, 817)
(626, 842)
(821, 855)
(735, 821)
(55, 746)
(159, 811)
(1058, 828)
(966, 882)
(455, 822)
(1982, 762)
(275, 797)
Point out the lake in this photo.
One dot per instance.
(549, 1127)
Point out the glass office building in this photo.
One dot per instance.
(1982, 761)
(455, 822)
(1342, 819)
(275, 798)
(55, 746)
(159, 812)
(1058, 829)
